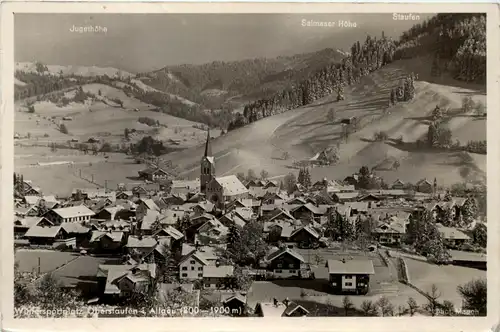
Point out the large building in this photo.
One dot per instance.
(218, 190)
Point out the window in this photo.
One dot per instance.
(207, 285)
(200, 275)
(348, 284)
(347, 277)
(193, 262)
(293, 271)
(278, 271)
(200, 268)
(280, 265)
(290, 265)
(184, 275)
(184, 268)
(192, 268)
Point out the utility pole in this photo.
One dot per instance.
(38, 265)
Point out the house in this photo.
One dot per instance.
(305, 237)
(169, 232)
(22, 225)
(308, 212)
(279, 214)
(153, 174)
(118, 281)
(398, 184)
(217, 276)
(108, 241)
(45, 235)
(125, 194)
(33, 191)
(140, 244)
(79, 213)
(175, 199)
(390, 231)
(322, 158)
(341, 197)
(184, 187)
(280, 309)
(234, 303)
(30, 211)
(108, 213)
(453, 237)
(203, 207)
(80, 233)
(146, 204)
(285, 263)
(424, 186)
(350, 276)
(357, 208)
(191, 266)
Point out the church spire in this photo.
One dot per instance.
(208, 146)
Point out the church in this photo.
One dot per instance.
(218, 190)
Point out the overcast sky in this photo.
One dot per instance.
(143, 42)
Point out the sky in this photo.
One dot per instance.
(145, 42)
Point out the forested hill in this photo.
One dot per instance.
(213, 83)
(456, 41)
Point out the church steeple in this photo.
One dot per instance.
(207, 165)
(208, 146)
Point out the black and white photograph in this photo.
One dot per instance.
(242, 165)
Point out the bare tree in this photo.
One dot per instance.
(369, 308)
(386, 307)
(412, 306)
(433, 304)
(347, 304)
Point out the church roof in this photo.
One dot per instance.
(232, 185)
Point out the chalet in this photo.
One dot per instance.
(101, 204)
(308, 212)
(119, 281)
(341, 197)
(33, 191)
(357, 208)
(390, 231)
(30, 211)
(146, 204)
(350, 276)
(280, 309)
(369, 198)
(154, 174)
(398, 184)
(140, 244)
(175, 199)
(125, 194)
(185, 186)
(203, 207)
(232, 218)
(285, 263)
(108, 213)
(217, 276)
(170, 232)
(234, 303)
(424, 186)
(79, 213)
(279, 214)
(191, 266)
(45, 235)
(108, 241)
(22, 225)
(274, 198)
(306, 237)
(453, 237)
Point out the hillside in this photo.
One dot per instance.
(213, 83)
(99, 111)
(304, 131)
